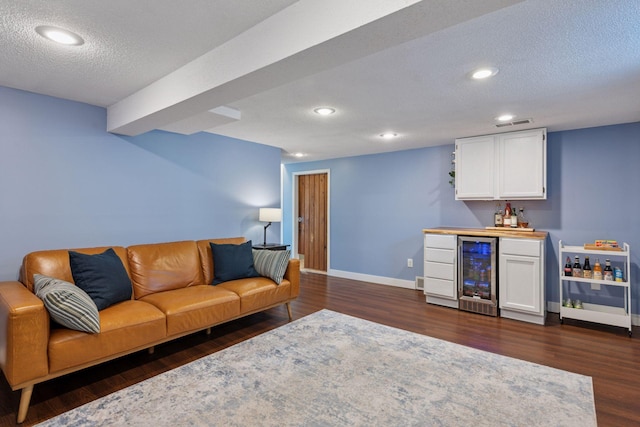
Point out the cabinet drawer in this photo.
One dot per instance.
(520, 247)
(439, 270)
(447, 256)
(439, 287)
(440, 241)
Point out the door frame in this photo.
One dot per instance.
(294, 216)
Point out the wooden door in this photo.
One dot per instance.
(312, 223)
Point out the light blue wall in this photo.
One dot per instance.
(380, 203)
(67, 183)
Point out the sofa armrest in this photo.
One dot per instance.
(292, 274)
(24, 334)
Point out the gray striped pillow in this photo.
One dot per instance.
(67, 304)
(271, 264)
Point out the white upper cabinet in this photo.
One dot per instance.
(506, 166)
(523, 170)
(475, 166)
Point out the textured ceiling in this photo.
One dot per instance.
(128, 44)
(386, 65)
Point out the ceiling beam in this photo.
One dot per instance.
(308, 37)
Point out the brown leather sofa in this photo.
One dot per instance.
(171, 297)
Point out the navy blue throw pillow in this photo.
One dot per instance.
(232, 262)
(101, 276)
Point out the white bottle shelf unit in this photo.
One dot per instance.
(615, 315)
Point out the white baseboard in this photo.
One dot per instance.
(553, 307)
(407, 284)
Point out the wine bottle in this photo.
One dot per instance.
(567, 267)
(608, 271)
(506, 219)
(497, 217)
(586, 270)
(514, 219)
(577, 268)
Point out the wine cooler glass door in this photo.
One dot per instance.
(477, 269)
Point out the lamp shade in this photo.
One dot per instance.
(270, 214)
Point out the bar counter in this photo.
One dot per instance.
(489, 232)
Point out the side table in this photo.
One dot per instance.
(271, 247)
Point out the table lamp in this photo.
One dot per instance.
(269, 215)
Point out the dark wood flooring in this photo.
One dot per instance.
(607, 354)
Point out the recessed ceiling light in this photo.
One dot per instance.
(388, 135)
(59, 35)
(298, 155)
(324, 111)
(505, 117)
(484, 73)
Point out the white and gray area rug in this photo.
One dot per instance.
(329, 369)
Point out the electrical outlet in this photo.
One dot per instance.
(595, 286)
(410, 262)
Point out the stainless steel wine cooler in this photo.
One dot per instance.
(477, 275)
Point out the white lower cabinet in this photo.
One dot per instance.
(521, 280)
(440, 284)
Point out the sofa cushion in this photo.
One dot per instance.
(258, 293)
(158, 267)
(55, 263)
(125, 327)
(194, 308)
(271, 264)
(102, 276)
(231, 262)
(67, 304)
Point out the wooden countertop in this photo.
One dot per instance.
(482, 232)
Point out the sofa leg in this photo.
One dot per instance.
(289, 311)
(151, 350)
(208, 331)
(25, 398)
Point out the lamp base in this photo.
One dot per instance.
(265, 234)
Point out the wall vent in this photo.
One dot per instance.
(514, 123)
(420, 283)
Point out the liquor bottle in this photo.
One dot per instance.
(514, 219)
(586, 270)
(597, 270)
(506, 219)
(577, 268)
(608, 271)
(522, 221)
(567, 268)
(497, 217)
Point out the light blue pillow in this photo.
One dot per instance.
(67, 304)
(271, 264)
